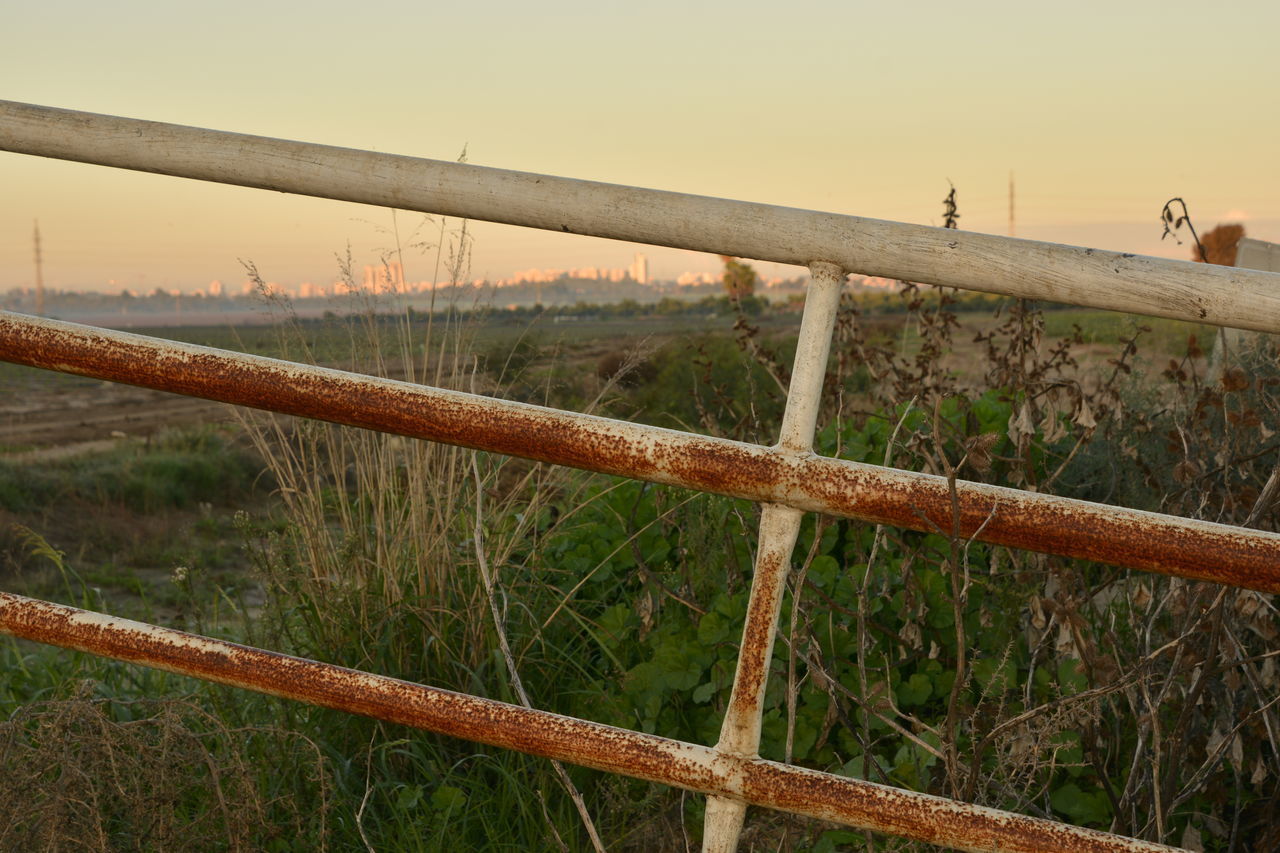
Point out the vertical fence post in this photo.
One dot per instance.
(740, 731)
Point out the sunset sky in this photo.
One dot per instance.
(1102, 110)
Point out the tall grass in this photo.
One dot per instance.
(369, 558)
(398, 556)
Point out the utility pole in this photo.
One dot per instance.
(1011, 229)
(39, 274)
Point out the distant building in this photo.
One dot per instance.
(689, 279)
(383, 278)
(640, 269)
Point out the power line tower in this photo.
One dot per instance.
(39, 274)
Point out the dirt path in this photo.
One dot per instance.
(33, 418)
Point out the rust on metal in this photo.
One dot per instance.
(1133, 538)
(849, 801)
(779, 526)
(740, 728)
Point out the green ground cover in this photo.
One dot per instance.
(1017, 680)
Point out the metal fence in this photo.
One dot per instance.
(788, 479)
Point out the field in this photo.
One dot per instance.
(1101, 697)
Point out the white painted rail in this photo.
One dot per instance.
(1223, 296)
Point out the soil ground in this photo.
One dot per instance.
(54, 419)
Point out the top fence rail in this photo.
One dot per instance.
(1223, 296)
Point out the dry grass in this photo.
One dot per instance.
(96, 775)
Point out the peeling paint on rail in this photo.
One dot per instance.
(779, 525)
(696, 768)
(1125, 537)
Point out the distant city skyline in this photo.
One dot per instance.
(389, 277)
(672, 265)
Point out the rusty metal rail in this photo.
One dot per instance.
(788, 479)
(1142, 540)
(744, 779)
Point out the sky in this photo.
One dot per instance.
(1101, 111)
